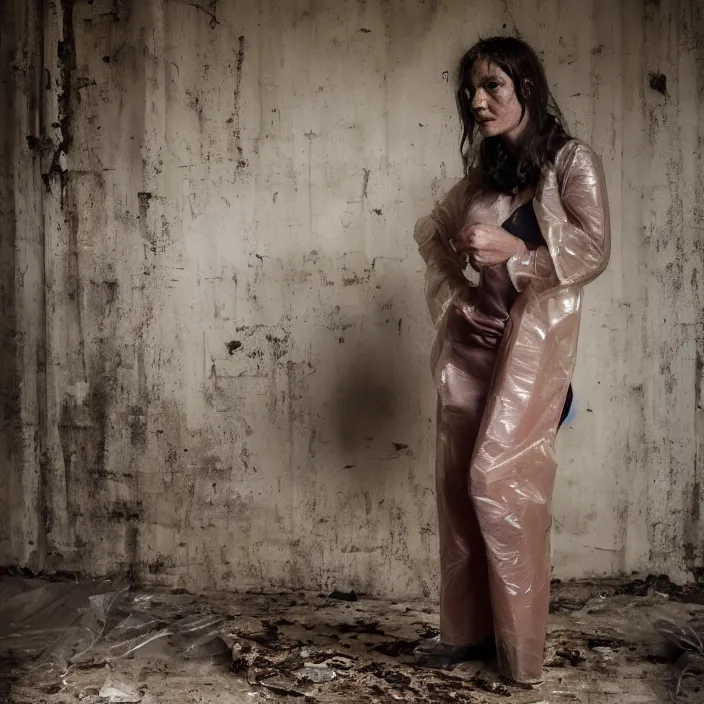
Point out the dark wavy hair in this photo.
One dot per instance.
(545, 132)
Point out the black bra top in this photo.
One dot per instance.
(523, 224)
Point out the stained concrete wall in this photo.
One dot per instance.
(22, 293)
(216, 347)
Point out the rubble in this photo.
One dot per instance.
(273, 647)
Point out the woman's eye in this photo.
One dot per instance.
(492, 85)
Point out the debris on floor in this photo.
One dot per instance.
(117, 692)
(344, 596)
(99, 643)
(688, 647)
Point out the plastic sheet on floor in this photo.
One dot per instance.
(62, 625)
(688, 645)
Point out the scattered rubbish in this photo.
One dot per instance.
(658, 659)
(316, 673)
(244, 655)
(265, 634)
(683, 637)
(276, 683)
(339, 662)
(556, 661)
(688, 645)
(574, 657)
(116, 692)
(428, 632)
(396, 648)
(491, 685)
(570, 696)
(391, 677)
(344, 596)
(361, 626)
(398, 446)
(566, 604)
(663, 586)
(601, 642)
(106, 626)
(689, 662)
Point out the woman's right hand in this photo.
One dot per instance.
(487, 245)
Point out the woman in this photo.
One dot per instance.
(531, 215)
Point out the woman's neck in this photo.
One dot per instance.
(512, 138)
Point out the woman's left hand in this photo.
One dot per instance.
(488, 245)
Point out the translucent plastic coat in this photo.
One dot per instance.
(502, 362)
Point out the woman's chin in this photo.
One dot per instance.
(489, 131)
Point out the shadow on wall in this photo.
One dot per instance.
(364, 397)
(374, 368)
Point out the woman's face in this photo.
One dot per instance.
(495, 103)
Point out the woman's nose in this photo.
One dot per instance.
(479, 100)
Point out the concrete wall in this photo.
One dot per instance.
(237, 389)
(23, 496)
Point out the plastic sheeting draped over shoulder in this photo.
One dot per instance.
(502, 362)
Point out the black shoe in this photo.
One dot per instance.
(438, 656)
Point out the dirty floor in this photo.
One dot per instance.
(96, 643)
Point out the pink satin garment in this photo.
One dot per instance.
(502, 361)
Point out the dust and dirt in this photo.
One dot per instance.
(603, 645)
